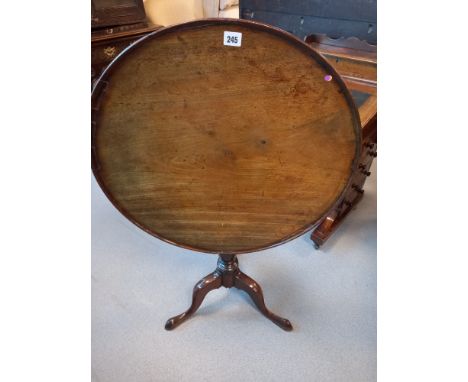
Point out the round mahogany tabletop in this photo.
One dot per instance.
(223, 145)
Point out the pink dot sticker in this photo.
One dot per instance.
(328, 78)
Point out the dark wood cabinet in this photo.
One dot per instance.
(106, 46)
(115, 24)
(356, 62)
(105, 13)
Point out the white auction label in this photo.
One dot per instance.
(232, 38)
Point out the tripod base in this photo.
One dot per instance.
(227, 274)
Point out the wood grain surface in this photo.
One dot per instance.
(223, 149)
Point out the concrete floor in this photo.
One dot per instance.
(329, 295)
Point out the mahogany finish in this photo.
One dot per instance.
(228, 275)
(223, 149)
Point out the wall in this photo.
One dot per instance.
(169, 12)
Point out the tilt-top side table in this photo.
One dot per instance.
(226, 137)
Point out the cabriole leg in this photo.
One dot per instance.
(203, 287)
